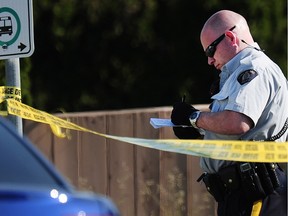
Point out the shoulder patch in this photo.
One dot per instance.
(246, 76)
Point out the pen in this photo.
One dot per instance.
(183, 98)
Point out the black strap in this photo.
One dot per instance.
(282, 131)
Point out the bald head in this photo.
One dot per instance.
(223, 20)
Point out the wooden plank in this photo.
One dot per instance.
(173, 180)
(200, 202)
(147, 196)
(173, 196)
(93, 171)
(40, 135)
(66, 153)
(121, 163)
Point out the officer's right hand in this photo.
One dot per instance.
(180, 116)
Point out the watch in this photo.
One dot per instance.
(194, 117)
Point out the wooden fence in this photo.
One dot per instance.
(141, 181)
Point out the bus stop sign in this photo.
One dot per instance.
(16, 29)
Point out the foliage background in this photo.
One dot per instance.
(107, 54)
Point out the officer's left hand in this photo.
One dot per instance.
(181, 113)
(180, 116)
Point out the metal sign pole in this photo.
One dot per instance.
(16, 41)
(12, 73)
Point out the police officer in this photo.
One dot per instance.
(251, 104)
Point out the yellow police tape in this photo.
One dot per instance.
(250, 151)
(9, 92)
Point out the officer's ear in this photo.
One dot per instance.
(232, 36)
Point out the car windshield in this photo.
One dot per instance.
(21, 166)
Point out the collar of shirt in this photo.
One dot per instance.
(234, 63)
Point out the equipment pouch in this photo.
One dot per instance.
(264, 176)
(230, 177)
(251, 183)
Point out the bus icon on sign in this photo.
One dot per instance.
(5, 25)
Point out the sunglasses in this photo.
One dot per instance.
(211, 49)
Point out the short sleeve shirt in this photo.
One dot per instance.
(251, 84)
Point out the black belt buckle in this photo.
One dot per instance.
(245, 167)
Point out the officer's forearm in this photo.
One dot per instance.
(225, 122)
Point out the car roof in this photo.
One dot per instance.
(19, 157)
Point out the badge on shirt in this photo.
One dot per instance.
(246, 76)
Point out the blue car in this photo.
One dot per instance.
(30, 185)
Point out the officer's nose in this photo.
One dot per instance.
(211, 60)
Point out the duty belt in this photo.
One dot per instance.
(256, 180)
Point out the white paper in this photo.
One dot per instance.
(158, 122)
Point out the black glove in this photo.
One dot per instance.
(180, 116)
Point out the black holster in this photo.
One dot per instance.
(221, 183)
(214, 186)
